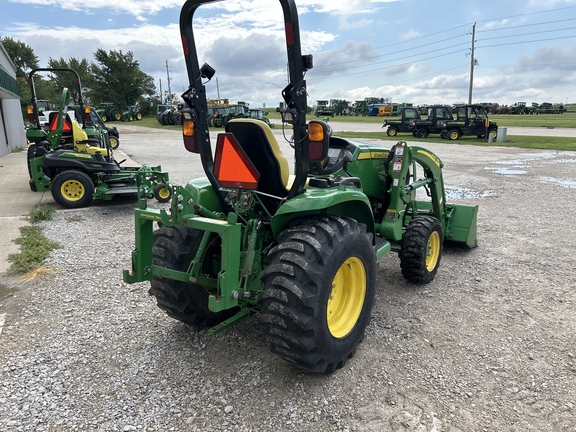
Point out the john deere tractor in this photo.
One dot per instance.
(300, 250)
(72, 156)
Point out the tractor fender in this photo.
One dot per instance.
(202, 193)
(340, 201)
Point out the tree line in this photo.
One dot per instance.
(113, 77)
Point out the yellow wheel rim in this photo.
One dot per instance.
(113, 143)
(164, 193)
(72, 190)
(433, 251)
(346, 297)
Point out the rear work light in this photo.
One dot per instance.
(317, 142)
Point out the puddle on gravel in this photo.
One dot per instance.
(456, 193)
(508, 171)
(566, 183)
(5, 291)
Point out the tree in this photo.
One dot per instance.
(67, 79)
(118, 79)
(25, 60)
(21, 54)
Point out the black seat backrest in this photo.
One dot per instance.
(259, 144)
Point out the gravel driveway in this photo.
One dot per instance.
(489, 345)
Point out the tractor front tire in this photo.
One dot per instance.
(72, 189)
(318, 292)
(174, 248)
(138, 116)
(104, 117)
(421, 250)
(117, 115)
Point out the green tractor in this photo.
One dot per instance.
(131, 113)
(72, 156)
(108, 112)
(301, 251)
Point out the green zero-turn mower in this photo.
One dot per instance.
(299, 250)
(73, 158)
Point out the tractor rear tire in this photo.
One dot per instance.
(72, 189)
(392, 131)
(114, 142)
(117, 115)
(174, 248)
(421, 250)
(104, 117)
(318, 292)
(421, 133)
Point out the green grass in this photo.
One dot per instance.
(34, 247)
(520, 141)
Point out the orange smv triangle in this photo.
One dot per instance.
(232, 167)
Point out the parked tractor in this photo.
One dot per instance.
(169, 114)
(108, 112)
(74, 160)
(300, 250)
(323, 109)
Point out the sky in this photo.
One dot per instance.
(416, 51)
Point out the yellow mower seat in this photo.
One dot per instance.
(80, 138)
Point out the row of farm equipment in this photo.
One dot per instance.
(219, 113)
(383, 107)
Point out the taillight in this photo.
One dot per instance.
(188, 132)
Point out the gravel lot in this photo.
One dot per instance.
(488, 346)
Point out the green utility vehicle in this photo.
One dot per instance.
(470, 120)
(404, 124)
(74, 160)
(434, 123)
(301, 251)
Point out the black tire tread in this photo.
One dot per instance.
(413, 251)
(292, 285)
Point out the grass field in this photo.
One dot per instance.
(566, 120)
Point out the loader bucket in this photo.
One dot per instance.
(461, 224)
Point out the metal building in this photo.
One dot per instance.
(12, 133)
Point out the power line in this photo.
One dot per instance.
(529, 34)
(525, 25)
(530, 41)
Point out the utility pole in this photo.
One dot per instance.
(168, 74)
(161, 98)
(472, 64)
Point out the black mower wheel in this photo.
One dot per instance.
(421, 250)
(392, 131)
(72, 189)
(162, 193)
(453, 134)
(114, 142)
(174, 248)
(421, 133)
(31, 155)
(318, 292)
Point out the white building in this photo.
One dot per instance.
(12, 134)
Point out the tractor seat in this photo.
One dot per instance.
(258, 142)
